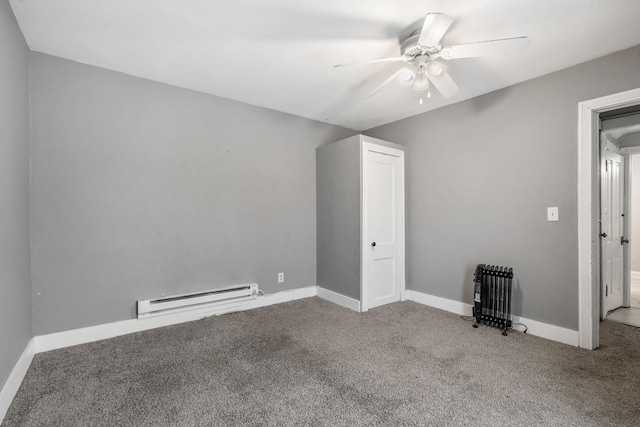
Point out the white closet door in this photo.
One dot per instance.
(383, 225)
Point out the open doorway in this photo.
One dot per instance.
(589, 283)
(619, 202)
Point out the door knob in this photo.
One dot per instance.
(603, 234)
(623, 240)
(373, 244)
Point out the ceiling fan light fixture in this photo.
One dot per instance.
(421, 81)
(436, 69)
(406, 76)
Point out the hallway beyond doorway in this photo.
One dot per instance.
(628, 316)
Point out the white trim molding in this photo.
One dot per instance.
(16, 376)
(110, 330)
(635, 274)
(588, 204)
(550, 332)
(336, 298)
(438, 302)
(631, 150)
(539, 329)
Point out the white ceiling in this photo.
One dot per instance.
(279, 54)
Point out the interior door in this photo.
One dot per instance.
(383, 226)
(612, 230)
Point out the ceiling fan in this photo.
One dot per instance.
(423, 47)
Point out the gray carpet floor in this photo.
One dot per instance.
(310, 362)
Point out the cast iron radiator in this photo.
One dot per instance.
(492, 296)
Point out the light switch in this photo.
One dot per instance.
(552, 214)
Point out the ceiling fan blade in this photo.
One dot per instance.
(445, 84)
(490, 47)
(433, 29)
(373, 61)
(386, 82)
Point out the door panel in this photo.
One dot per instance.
(612, 228)
(384, 215)
(381, 199)
(382, 284)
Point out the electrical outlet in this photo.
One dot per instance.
(280, 277)
(552, 214)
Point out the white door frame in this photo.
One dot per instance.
(364, 244)
(588, 211)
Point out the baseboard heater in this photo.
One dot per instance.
(492, 296)
(196, 300)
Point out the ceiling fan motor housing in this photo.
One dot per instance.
(410, 47)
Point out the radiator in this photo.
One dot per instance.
(194, 300)
(492, 296)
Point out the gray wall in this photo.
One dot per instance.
(635, 213)
(15, 280)
(338, 213)
(141, 189)
(480, 176)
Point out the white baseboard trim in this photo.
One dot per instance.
(539, 329)
(635, 274)
(16, 376)
(438, 302)
(550, 332)
(110, 330)
(336, 298)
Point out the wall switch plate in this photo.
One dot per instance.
(552, 214)
(280, 277)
